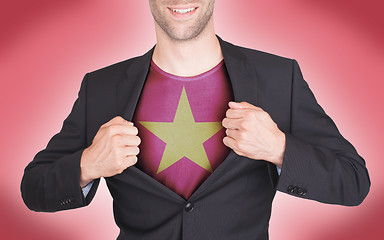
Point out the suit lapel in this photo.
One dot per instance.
(242, 75)
(243, 80)
(129, 89)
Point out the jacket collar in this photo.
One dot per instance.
(242, 75)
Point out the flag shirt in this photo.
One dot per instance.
(179, 122)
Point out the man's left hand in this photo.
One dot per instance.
(252, 133)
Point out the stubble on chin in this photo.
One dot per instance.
(186, 34)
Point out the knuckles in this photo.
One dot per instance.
(117, 118)
(116, 140)
(242, 135)
(263, 116)
(250, 114)
(244, 124)
(116, 154)
(112, 130)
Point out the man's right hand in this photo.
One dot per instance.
(113, 149)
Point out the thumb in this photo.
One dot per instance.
(241, 105)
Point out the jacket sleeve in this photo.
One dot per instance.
(319, 163)
(51, 182)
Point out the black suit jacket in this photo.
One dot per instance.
(235, 201)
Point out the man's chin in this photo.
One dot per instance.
(184, 36)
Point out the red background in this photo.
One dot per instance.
(46, 47)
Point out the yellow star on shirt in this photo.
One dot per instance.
(183, 137)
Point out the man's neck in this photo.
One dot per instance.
(188, 58)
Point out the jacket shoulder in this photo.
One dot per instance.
(254, 56)
(119, 70)
(113, 71)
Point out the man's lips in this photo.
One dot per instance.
(182, 11)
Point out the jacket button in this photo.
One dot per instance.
(189, 207)
(291, 189)
(302, 192)
(67, 201)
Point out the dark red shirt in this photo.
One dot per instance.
(179, 122)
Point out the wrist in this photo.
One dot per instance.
(279, 151)
(85, 176)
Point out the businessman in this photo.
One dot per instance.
(194, 138)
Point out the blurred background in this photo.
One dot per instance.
(46, 47)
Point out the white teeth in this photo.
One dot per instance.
(182, 11)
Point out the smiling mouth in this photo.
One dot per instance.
(183, 11)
